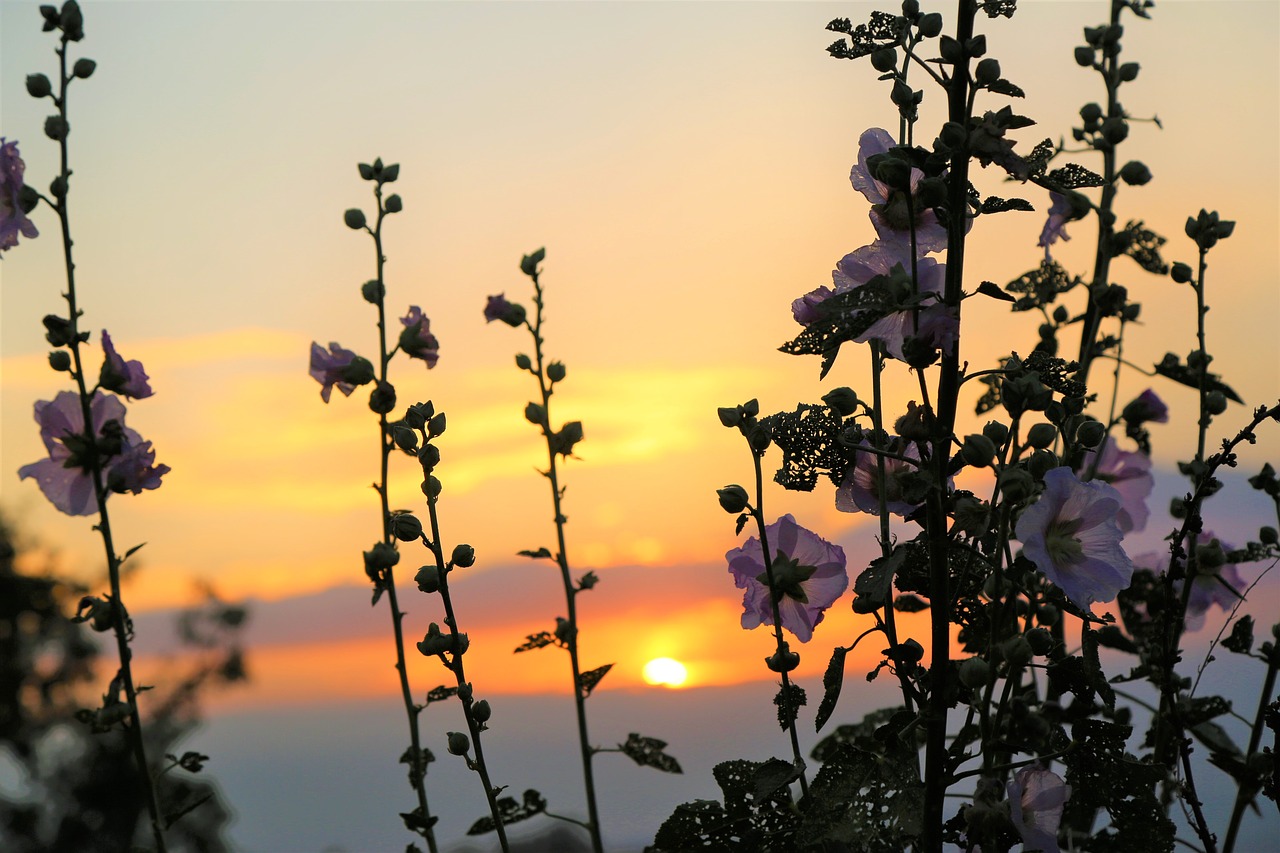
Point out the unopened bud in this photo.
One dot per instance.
(354, 218)
(974, 673)
(428, 579)
(1090, 434)
(481, 712)
(464, 556)
(1042, 435)
(38, 86)
(60, 360)
(733, 499)
(459, 743)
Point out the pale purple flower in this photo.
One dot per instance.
(327, 368)
(63, 477)
(1144, 408)
(932, 321)
(809, 570)
(1072, 535)
(860, 491)
(123, 377)
(416, 339)
(889, 210)
(1055, 227)
(1207, 588)
(1036, 798)
(12, 220)
(1130, 473)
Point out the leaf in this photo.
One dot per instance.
(772, 776)
(540, 554)
(538, 641)
(790, 700)
(832, 681)
(842, 317)
(874, 585)
(1142, 244)
(740, 523)
(1041, 286)
(439, 694)
(810, 440)
(587, 681)
(1004, 87)
(1216, 738)
(990, 288)
(414, 822)
(649, 752)
(1241, 639)
(908, 603)
(1074, 176)
(510, 811)
(131, 552)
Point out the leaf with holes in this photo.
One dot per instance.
(649, 752)
(587, 681)
(511, 812)
(538, 641)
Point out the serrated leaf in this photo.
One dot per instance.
(439, 694)
(832, 681)
(649, 752)
(990, 288)
(510, 811)
(1241, 639)
(790, 700)
(1172, 368)
(771, 777)
(587, 681)
(996, 204)
(1004, 87)
(874, 584)
(537, 641)
(540, 554)
(1074, 176)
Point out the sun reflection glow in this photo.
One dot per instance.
(665, 671)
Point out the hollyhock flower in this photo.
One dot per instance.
(329, 369)
(860, 491)
(805, 309)
(1055, 227)
(63, 477)
(1072, 535)
(1144, 408)
(416, 339)
(889, 214)
(12, 219)
(1130, 474)
(932, 321)
(1207, 587)
(809, 573)
(498, 308)
(123, 377)
(1036, 797)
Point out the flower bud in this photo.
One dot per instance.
(464, 556)
(428, 579)
(1215, 402)
(1210, 556)
(459, 743)
(1180, 272)
(908, 652)
(373, 292)
(431, 487)
(436, 425)
(930, 25)
(393, 204)
(987, 72)
(733, 499)
(428, 457)
(1084, 56)
(1042, 462)
(1128, 72)
(1016, 483)
(1016, 650)
(555, 371)
(358, 372)
(354, 218)
(405, 526)
(1091, 113)
(529, 263)
(383, 398)
(481, 712)
(1268, 536)
(1042, 435)
(1178, 507)
(38, 86)
(58, 187)
(1135, 173)
(783, 660)
(380, 556)
(524, 362)
(842, 399)
(56, 128)
(60, 360)
(884, 59)
(1115, 130)
(974, 673)
(534, 414)
(978, 450)
(1090, 434)
(997, 432)
(1040, 641)
(759, 437)
(435, 642)
(84, 68)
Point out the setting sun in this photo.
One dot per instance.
(665, 671)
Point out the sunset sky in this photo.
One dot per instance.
(685, 164)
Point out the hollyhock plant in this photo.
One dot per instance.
(890, 215)
(860, 491)
(1055, 227)
(809, 573)
(333, 368)
(1036, 798)
(126, 378)
(13, 221)
(1072, 535)
(1130, 473)
(64, 477)
(416, 340)
(498, 308)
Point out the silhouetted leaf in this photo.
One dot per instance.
(540, 554)
(587, 681)
(990, 288)
(832, 681)
(439, 694)
(1074, 176)
(537, 641)
(649, 752)
(1174, 369)
(790, 700)
(510, 811)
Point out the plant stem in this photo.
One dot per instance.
(570, 593)
(417, 766)
(1255, 740)
(120, 621)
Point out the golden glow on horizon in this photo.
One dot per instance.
(667, 672)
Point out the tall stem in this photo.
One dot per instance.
(119, 621)
(570, 593)
(417, 766)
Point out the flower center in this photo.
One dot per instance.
(1063, 546)
(788, 575)
(897, 211)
